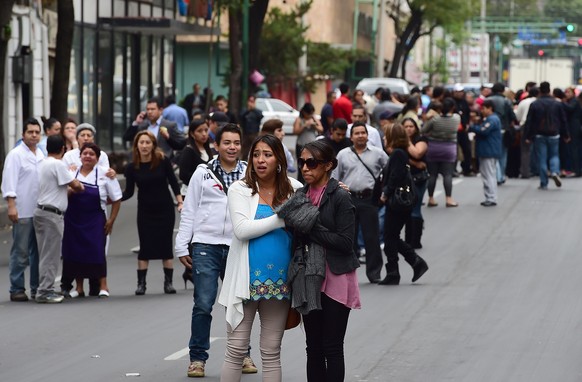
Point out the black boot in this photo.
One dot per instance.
(141, 282)
(168, 275)
(392, 274)
(417, 226)
(409, 231)
(187, 276)
(419, 266)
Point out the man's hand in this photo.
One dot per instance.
(186, 261)
(164, 132)
(139, 118)
(13, 214)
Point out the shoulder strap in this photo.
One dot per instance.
(367, 168)
(210, 168)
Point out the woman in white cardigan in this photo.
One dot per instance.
(259, 255)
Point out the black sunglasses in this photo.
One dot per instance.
(310, 162)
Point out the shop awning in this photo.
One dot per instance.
(159, 26)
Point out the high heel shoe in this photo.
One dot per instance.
(187, 276)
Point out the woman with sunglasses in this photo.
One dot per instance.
(325, 328)
(258, 259)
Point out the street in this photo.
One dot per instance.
(500, 302)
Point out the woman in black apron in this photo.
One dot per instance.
(87, 226)
(151, 171)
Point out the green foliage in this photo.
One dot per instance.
(322, 58)
(521, 8)
(282, 42)
(569, 10)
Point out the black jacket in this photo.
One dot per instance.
(546, 117)
(335, 228)
(395, 173)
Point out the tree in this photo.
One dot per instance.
(569, 10)
(421, 19)
(60, 85)
(5, 34)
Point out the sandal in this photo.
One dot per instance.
(452, 204)
(429, 204)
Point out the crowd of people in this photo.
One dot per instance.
(281, 246)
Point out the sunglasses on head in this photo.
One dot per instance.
(311, 163)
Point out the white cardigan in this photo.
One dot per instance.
(236, 285)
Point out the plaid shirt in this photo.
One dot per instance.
(230, 177)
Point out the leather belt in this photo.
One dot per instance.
(52, 209)
(365, 194)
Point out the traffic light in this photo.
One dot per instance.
(541, 53)
(580, 42)
(568, 28)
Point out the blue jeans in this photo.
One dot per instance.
(502, 164)
(547, 148)
(420, 190)
(23, 253)
(208, 264)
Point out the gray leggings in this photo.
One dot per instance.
(273, 315)
(446, 169)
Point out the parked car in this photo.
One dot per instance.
(472, 87)
(396, 85)
(273, 108)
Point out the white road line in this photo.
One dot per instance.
(455, 182)
(184, 352)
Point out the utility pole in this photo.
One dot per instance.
(380, 45)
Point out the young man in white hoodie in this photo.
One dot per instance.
(205, 223)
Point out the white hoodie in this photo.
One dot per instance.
(205, 217)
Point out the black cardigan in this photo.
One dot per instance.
(335, 228)
(395, 172)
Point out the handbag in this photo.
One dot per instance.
(420, 177)
(293, 319)
(378, 182)
(404, 197)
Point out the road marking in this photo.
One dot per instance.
(184, 352)
(455, 182)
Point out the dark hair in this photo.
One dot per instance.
(386, 95)
(358, 106)
(283, 185)
(411, 104)
(251, 97)
(529, 85)
(358, 124)
(54, 144)
(449, 105)
(436, 106)
(330, 93)
(344, 87)
(157, 154)
(425, 89)
(321, 150)
(488, 104)
(545, 87)
(272, 125)
(91, 146)
(498, 87)
(192, 127)
(29, 121)
(559, 93)
(533, 92)
(170, 100)
(416, 128)
(47, 123)
(438, 91)
(307, 108)
(397, 138)
(340, 123)
(228, 128)
(220, 97)
(156, 100)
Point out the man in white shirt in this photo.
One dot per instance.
(359, 115)
(20, 189)
(49, 224)
(205, 224)
(526, 147)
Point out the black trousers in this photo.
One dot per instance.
(393, 244)
(465, 145)
(325, 331)
(367, 217)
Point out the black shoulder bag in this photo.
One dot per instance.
(404, 197)
(378, 182)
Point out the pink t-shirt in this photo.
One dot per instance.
(341, 288)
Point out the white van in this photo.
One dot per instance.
(396, 85)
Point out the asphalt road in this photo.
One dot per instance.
(501, 302)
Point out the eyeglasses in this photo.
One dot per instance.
(310, 162)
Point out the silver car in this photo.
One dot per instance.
(273, 108)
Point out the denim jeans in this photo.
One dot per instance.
(23, 253)
(420, 190)
(208, 264)
(547, 149)
(502, 164)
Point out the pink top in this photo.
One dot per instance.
(341, 288)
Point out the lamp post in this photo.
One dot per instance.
(245, 51)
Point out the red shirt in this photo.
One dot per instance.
(342, 108)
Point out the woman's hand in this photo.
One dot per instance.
(383, 198)
(109, 226)
(180, 206)
(111, 174)
(344, 186)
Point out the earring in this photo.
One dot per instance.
(278, 168)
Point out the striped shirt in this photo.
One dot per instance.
(229, 177)
(442, 128)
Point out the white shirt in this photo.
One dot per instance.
(522, 110)
(20, 178)
(155, 128)
(73, 158)
(107, 187)
(373, 135)
(54, 176)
